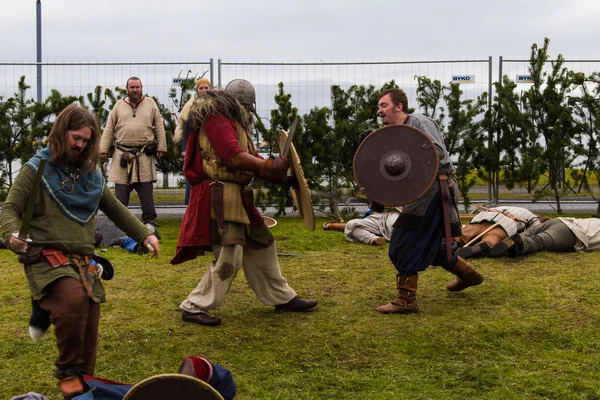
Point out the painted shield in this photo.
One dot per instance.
(395, 165)
(172, 386)
(301, 196)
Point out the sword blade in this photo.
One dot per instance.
(28, 215)
(288, 143)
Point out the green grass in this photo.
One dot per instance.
(530, 331)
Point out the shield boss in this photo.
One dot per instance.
(395, 165)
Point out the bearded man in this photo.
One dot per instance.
(58, 256)
(220, 162)
(416, 241)
(136, 128)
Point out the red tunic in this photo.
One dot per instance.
(194, 234)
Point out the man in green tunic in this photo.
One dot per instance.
(58, 256)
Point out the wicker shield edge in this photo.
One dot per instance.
(301, 196)
(395, 165)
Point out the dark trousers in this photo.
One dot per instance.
(413, 251)
(145, 192)
(75, 318)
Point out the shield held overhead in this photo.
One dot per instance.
(301, 196)
(395, 165)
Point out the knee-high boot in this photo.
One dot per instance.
(406, 302)
(466, 276)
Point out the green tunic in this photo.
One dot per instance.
(52, 229)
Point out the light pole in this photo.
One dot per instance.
(39, 48)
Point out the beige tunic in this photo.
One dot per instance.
(181, 120)
(129, 129)
(587, 231)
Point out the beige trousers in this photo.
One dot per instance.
(261, 268)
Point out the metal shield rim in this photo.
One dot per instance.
(302, 196)
(375, 132)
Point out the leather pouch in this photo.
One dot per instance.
(34, 253)
(55, 258)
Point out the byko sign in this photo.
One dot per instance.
(463, 79)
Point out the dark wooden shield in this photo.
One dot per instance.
(172, 386)
(395, 165)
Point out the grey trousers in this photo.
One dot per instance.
(552, 235)
(145, 192)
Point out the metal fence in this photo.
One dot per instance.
(308, 83)
(78, 79)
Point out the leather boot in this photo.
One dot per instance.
(71, 387)
(473, 251)
(406, 302)
(466, 276)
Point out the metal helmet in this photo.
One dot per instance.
(243, 91)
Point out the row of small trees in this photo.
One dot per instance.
(518, 138)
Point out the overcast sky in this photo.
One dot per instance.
(293, 30)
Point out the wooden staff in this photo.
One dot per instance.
(481, 234)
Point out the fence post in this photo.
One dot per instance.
(219, 71)
(39, 48)
(490, 133)
(498, 133)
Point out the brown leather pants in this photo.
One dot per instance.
(75, 318)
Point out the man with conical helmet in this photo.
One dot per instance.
(221, 161)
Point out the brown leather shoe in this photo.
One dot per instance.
(406, 302)
(404, 308)
(297, 304)
(201, 318)
(466, 276)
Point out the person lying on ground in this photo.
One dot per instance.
(492, 226)
(373, 228)
(554, 235)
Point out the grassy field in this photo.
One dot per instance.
(530, 331)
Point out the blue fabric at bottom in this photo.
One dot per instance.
(129, 244)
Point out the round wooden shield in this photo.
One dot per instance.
(301, 196)
(395, 165)
(172, 386)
